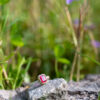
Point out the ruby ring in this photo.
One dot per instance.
(43, 79)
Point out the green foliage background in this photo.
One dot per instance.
(36, 39)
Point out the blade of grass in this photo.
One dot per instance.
(56, 68)
(18, 72)
(26, 69)
(1, 78)
(4, 24)
(92, 59)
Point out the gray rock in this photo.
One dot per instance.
(83, 90)
(7, 94)
(82, 86)
(59, 89)
(92, 77)
(19, 94)
(54, 90)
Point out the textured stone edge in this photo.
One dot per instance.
(73, 88)
(56, 85)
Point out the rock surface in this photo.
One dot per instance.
(92, 77)
(82, 91)
(19, 94)
(57, 89)
(54, 90)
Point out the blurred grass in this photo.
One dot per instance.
(36, 38)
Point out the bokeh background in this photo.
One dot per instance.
(36, 37)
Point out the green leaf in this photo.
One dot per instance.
(1, 78)
(2, 2)
(16, 40)
(64, 60)
(58, 51)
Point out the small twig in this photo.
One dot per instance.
(79, 37)
(71, 25)
(73, 65)
(5, 75)
(78, 64)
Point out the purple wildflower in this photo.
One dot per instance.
(96, 44)
(69, 1)
(86, 26)
(76, 21)
(90, 27)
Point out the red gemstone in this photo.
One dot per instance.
(43, 78)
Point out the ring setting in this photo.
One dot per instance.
(43, 79)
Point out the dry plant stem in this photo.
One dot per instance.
(78, 65)
(75, 42)
(5, 75)
(71, 25)
(79, 34)
(73, 65)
